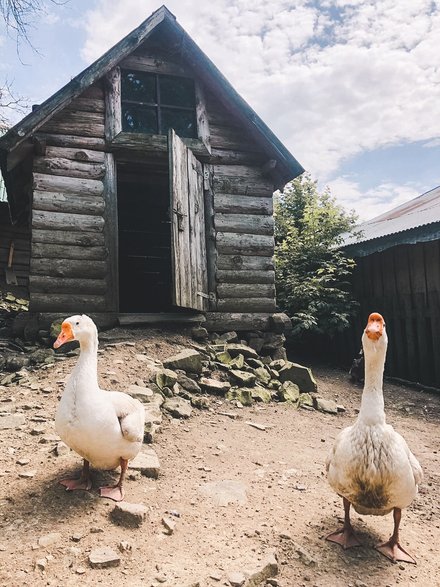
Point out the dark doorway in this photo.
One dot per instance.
(144, 239)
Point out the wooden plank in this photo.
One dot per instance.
(111, 233)
(160, 318)
(211, 253)
(75, 154)
(154, 64)
(244, 304)
(238, 321)
(72, 141)
(86, 104)
(431, 252)
(233, 204)
(52, 251)
(245, 276)
(69, 268)
(68, 168)
(87, 124)
(70, 237)
(66, 302)
(67, 185)
(113, 117)
(46, 284)
(154, 143)
(245, 244)
(202, 117)
(244, 223)
(56, 202)
(245, 262)
(232, 139)
(62, 221)
(245, 290)
(228, 157)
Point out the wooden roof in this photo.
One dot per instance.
(287, 166)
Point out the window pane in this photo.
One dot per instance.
(177, 91)
(182, 121)
(138, 86)
(139, 119)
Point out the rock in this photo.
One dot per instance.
(214, 386)
(236, 579)
(27, 474)
(77, 536)
(42, 356)
(272, 342)
(10, 421)
(225, 492)
(235, 349)
(289, 392)
(189, 360)
(280, 322)
(242, 395)
(201, 403)
(143, 394)
(124, 546)
(103, 558)
(169, 524)
(48, 438)
(129, 515)
(256, 343)
(306, 400)
(243, 377)
(341, 408)
(300, 375)
(38, 430)
(325, 405)
(166, 378)
(178, 407)
(255, 363)
(237, 362)
(260, 394)
(268, 570)
(279, 353)
(224, 357)
(40, 564)
(49, 539)
(199, 333)
(61, 449)
(147, 462)
(277, 364)
(55, 328)
(188, 383)
(262, 375)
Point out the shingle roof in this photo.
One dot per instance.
(398, 225)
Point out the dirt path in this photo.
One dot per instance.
(288, 507)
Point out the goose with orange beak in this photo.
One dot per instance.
(105, 428)
(370, 465)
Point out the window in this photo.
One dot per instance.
(153, 104)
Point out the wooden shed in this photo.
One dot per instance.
(398, 274)
(145, 186)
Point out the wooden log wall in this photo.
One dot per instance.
(20, 236)
(69, 263)
(403, 284)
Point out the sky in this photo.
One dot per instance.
(351, 87)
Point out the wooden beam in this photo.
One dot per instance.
(67, 185)
(70, 237)
(244, 223)
(111, 233)
(144, 142)
(60, 221)
(113, 121)
(245, 244)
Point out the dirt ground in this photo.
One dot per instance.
(288, 510)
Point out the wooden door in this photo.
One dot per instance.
(188, 246)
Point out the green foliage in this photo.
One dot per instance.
(312, 275)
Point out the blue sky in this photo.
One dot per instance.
(352, 87)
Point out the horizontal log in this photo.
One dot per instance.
(230, 157)
(56, 202)
(72, 141)
(70, 237)
(245, 276)
(246, 305)
(87, 105)
(69, 268)
(61, 221)
(67, 185)
(244, 223)
(154, 65)
(245, 290)
(93, 91)
(233, 204)
(72, 128)
(75, 154)
(245, 244)
(230, 138)
(50, 251)
(46, 284)
(245, 262)
(68, 303)
(144, 142)
(238, 321)
(68, 168)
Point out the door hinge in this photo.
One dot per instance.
(203, 295)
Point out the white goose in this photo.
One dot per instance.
(104, 427)
(370, 465)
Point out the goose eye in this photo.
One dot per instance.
(77, 324)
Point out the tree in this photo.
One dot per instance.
(312, 274)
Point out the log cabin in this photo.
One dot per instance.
(145, 187)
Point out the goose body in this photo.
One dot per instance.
(104, 427)
(370, 465)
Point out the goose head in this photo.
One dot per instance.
(375, 337)
(80, 328)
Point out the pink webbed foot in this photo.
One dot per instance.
(395, 552)
(74, 484)
(345, 537)
(115, 493)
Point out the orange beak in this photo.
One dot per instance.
(66, 335)
(374, 329)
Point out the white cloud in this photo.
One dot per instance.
(329, 87)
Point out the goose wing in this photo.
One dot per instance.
(414, 463)
(131, 415)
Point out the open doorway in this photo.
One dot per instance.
(144, 239)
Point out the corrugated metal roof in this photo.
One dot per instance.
(420, 211)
